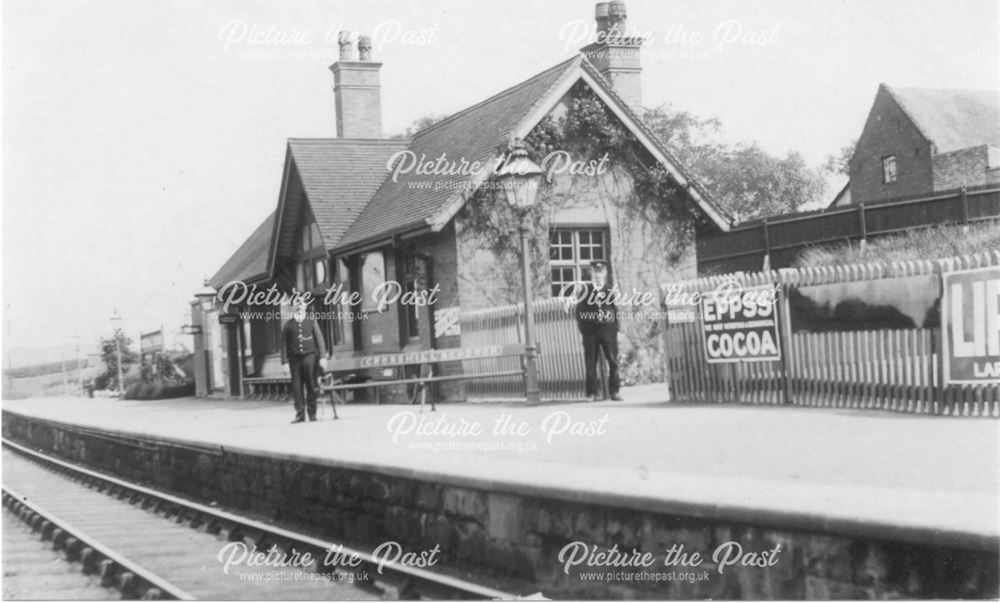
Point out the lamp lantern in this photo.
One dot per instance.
(520, 177)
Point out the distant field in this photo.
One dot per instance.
(37, 370)
(45, 385)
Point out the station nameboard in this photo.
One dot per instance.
(151, 342)
(970, 319)
(422, 356)
(739, 324)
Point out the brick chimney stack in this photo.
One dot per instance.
(357, 91)
(616, 54)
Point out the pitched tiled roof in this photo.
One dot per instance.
(249, 263)
(952, 119)
(472, 134)
(354, 199)
(339, 176)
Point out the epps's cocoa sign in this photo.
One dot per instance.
(739, 324)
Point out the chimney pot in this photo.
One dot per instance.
(617, 14)
(344, 40)
(601, 16)
(364, 48)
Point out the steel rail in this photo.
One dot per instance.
(236, 527)
(115, 569)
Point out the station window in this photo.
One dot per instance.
(312, 274)
(310, 264)
(570, 252)
(319, 270)
(340, 325)
(310, 237)
(372, 276)
(303, 281)
(412, 282)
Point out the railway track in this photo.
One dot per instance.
(153, 545)
(32, 570)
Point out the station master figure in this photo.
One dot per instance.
(597, 319)
(302, 347)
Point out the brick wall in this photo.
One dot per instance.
(965, 167)
(358, 98)
(620, 62)
(888, 131)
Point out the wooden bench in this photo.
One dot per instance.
(424, 359)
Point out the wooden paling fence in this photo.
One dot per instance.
(560, 365)
(887, 369)
(782, 238)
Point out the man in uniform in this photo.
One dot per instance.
(597, 319)
(301, 345)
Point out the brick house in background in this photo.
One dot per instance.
(922, 140)
(343, 221)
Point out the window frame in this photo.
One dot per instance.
(310, 249)
(580, 266)
(368, 304)
(887, 161)
(341, 329)
(310, 254)
(411, 282)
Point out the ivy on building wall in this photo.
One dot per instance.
(589, 130)
(639, 187)
(654, 219)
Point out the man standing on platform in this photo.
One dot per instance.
(301, 347)
(597, 319)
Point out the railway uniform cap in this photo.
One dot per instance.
(599, 265)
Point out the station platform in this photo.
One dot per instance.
(929, 481)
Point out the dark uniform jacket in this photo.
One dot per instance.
(301, 338)
(596, 307)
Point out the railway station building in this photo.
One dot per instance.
(419, 218)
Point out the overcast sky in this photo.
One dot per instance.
(143, 140)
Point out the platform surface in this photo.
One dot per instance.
(810, 466)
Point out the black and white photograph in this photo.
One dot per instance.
(676, 300)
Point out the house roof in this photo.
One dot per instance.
(477, 134)
(249, 263)
(842, 198)
(349, 187)
(473, 134)
(952, 119)
(337, 176)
